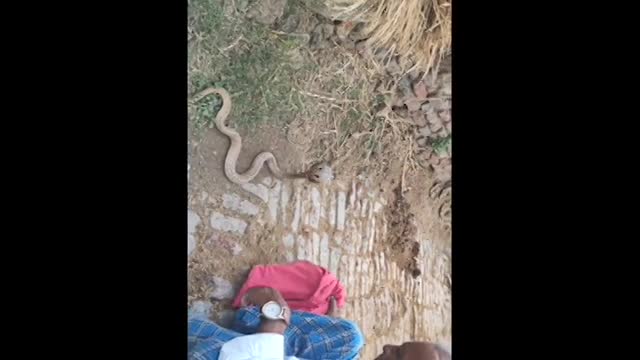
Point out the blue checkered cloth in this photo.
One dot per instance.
(309, 336)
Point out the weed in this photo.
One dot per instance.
(441, 145)
(244, 58)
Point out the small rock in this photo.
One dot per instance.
(421, 141)
(344, 29)
(296, 59)
(431, 81)
(327, 30)
(359, 32)
(418, 118)
(318, 8)
(396, 100)
(222, 289)
(348, 44)
(320, 44)
(445, 90)
(393, 68)
(191, 244)
(425, 131)
(428, 153)
(435, 105)
(266, 11)
(445, 116)
(236, 249)
(318, 40)
(435, 127)
(413, 104)
(242, 5)
(440, 104)
(448, 126)
(237, 204)
(423, 157)
(200, 309)
(228, 8)
(404, 85)
(312, 22)
(228, 224)
(434, 160)
(222, 241)
(420, 90)
(427, 106)
(445, 64)
(433, 118)
(444, 162)
(290, 23)
(443, 173)
(415, 74)
(192, 221)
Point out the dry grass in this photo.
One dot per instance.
(331, 106)
(416, 29)
(254, 64)
(260, 246)
(343, 116)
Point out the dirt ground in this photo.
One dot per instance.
(305, 89)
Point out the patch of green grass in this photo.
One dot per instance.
(378, 102)
(354, 93)
(441, 145)
(246, 59)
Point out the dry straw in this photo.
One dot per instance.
(419, 30)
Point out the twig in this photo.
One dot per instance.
(324, 97)
(328, 132)
(404, 170)
(300, 35)
(234, 43)
(361, 133)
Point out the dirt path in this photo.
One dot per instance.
(383, 226)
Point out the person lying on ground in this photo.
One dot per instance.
(265, 328)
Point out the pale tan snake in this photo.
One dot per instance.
(320, 172)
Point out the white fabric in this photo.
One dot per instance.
(262, 346)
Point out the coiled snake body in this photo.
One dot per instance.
(320, 172)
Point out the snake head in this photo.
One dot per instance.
(320, 173)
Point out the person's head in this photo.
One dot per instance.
(414, 351)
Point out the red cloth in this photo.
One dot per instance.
(304, 285)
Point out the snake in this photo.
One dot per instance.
(320, 172)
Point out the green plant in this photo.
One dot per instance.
(245, 58)
(441, 145)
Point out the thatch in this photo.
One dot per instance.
(419, 30)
